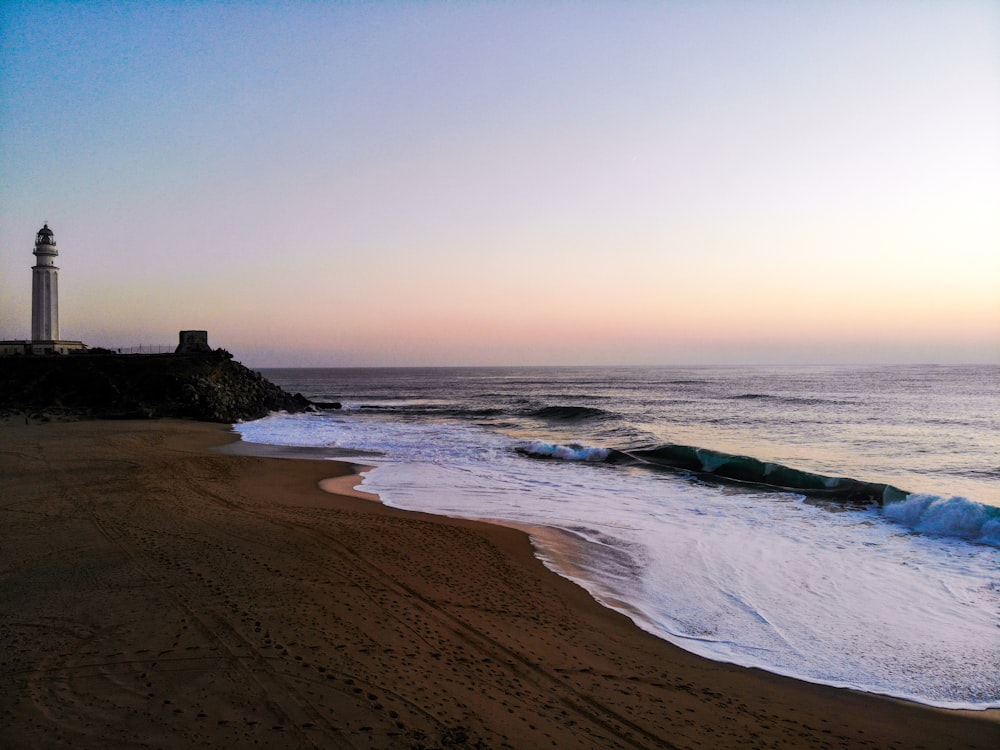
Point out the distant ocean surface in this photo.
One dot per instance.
(839, 525)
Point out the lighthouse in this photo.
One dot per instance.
(45, 288)
(44, 305)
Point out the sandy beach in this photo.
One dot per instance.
(156, 593)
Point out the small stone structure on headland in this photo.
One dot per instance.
(193, 341)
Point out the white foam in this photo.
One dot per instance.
(571, 452)
(952, 516)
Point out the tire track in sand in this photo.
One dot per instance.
(585, 707)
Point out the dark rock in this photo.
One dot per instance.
(208, 386)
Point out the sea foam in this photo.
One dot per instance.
(952, 516)
(570, 452)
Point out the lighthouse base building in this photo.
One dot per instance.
(9, 348)
(44, 304)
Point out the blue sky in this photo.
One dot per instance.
(509, 183)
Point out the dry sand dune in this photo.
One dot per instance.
(156, 594)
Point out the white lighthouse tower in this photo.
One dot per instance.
(45, 288)
(44, 305)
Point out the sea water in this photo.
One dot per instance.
(838, 525)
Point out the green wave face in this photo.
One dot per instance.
(728, 467)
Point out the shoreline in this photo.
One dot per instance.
(160, 591)
(557, 550)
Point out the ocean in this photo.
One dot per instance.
(839, 525)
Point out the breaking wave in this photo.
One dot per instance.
(570, 452)
(727, 468)
(948, 516)
(925, 514)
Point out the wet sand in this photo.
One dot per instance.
(158, 594)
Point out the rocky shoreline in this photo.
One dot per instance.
(207, 386)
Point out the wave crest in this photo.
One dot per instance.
(723, 467)
(569, 452)
(728, 467)
(951, 516)
(925, 514)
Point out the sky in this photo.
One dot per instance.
(509, 183)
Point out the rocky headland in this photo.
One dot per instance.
(207, 386)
